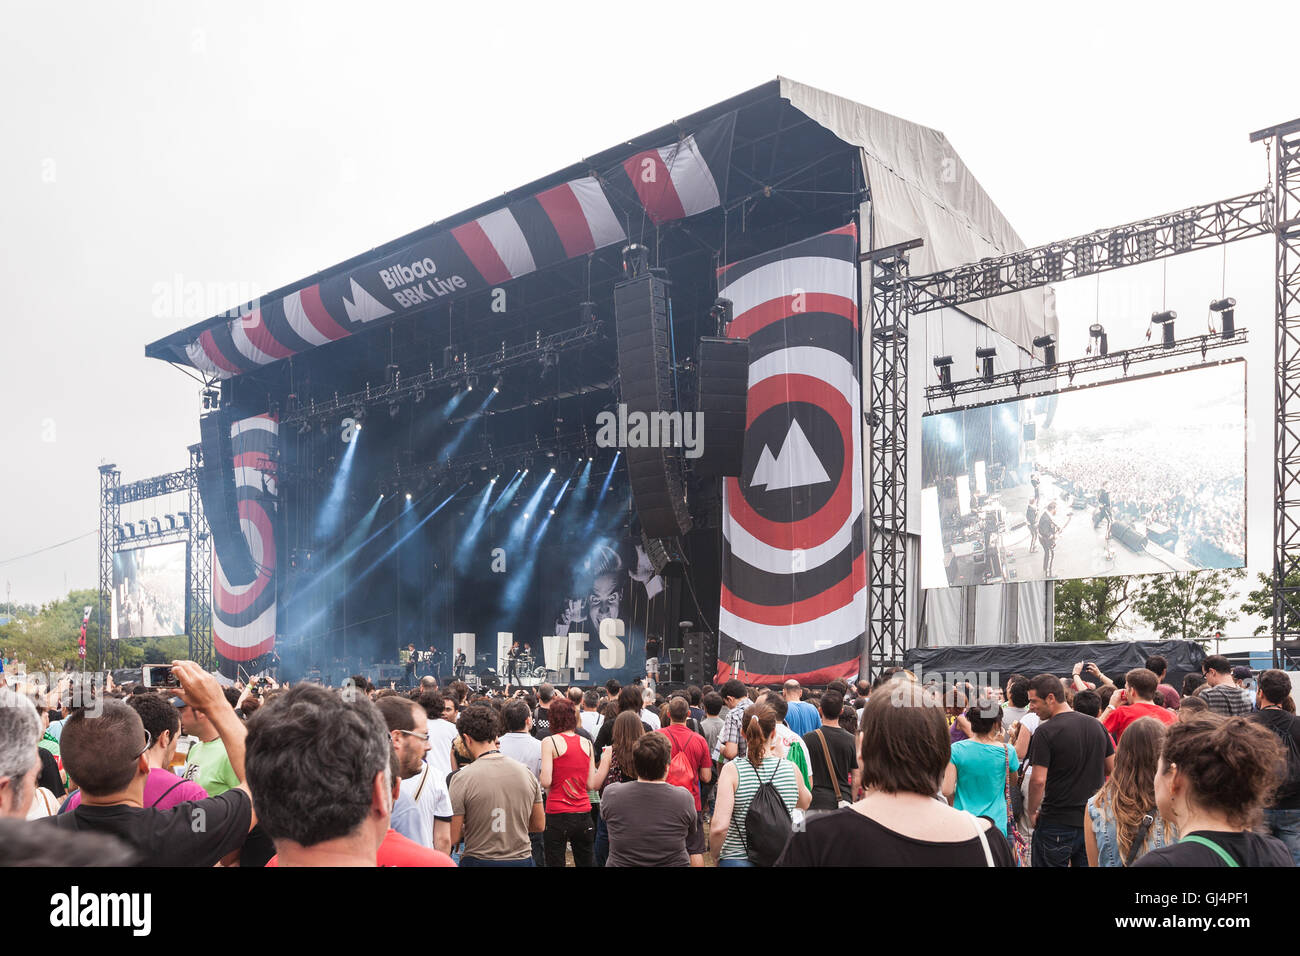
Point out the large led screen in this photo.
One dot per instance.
(149, 591)
(1140, 476)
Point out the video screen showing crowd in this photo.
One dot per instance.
(149, 587)
(1135, 477)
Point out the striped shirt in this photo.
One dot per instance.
(1226, 699)
(781, 773)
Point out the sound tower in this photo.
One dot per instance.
(723, 390)
(216, 480)
(645, 374)
(701, 661)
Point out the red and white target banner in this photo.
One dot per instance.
(794, 580)
(243, 617)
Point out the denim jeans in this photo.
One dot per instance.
(574, 829)
(1059, 846)
(1285, 825)
(601, 846)
(539, 849)
(735, 862)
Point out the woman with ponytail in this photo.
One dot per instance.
(1122, 821)
(1214, 777)
(740, 780)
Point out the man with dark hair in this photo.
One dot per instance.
(694, 767)
(496, 802)
(107, 756)
(162, 789)
(833, 754)
(800, 716)
(589, 715)
(1071, 756)
(650, 821)
(711, 725)
(1223, 696)
(1088, 703)
(206, 762)
(1282, 817)
(542, 715)
(696, 697)
(519, 744)
(441, 712)
(1158, 666)
(731, 738)
(1135, 701)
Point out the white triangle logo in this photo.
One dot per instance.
(364, 307)
(763, 471)
(795, 466)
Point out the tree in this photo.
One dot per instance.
(1188, 604)
(1260, 603)
(47, 640)
(1090, 609)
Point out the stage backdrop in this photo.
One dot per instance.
(243, 618)
(794, 579)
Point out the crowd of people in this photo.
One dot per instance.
(1043, 771)
(1200, 496)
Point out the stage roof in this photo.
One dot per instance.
(918, 186)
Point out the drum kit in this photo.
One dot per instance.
(531, 673)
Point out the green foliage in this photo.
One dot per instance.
(47, 640)
(1260, 603)
(1186, 605)
(1091, 609)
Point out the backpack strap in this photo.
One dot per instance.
(1140, 838)
(830, 767)
(163, 795)
(423, 780)
(1223, 854)
(983, 837)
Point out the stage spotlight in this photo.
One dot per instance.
(496, 386)
(943, 364)
(419, 395)
(526, 514)
(1048, 344)
(408, 496)
(1166, 322)
(184, 517)
(470, 383)
(552, 471)
(1101, 343)
(1227, 315)
(587, 311)
(985, 357)
(552, 511)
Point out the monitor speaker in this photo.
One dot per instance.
(645, 376)
(1132, 540)
(701, 662)
(723, 390)
(216, 481)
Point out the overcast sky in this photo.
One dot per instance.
(247, 145)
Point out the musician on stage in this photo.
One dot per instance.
(408, 658)
(1107, 512)
(1048, 530)
(458, 665)
(512, 665)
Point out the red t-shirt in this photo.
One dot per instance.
(397, 850)
(1121, 717)
(697, 752)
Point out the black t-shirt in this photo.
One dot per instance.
(49, 777)
(1074, 749)
(847, 838)
(605, 736)
(1287, 728)
(1248, 849)
(170, 837)
(1047, 529)
(541, 723)
(844, 755)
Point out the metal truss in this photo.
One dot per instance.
(403, 387)
(1187, 230)
(887, 419)
(1019, 378)
(198, 600)
(1284, 143)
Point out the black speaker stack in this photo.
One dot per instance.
(723, 390)
(701, 658)
(645, 373)
(216, 480)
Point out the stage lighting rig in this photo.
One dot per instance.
(587, 312)
(1100, 343)
(636, 261)
(943, 365)
(1227, 315)
(1048, 344)
(211, 399)
(985, 359)
(1166, 322)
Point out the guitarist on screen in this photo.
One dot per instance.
(1048, 530)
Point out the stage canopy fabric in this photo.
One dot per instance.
(919, 187)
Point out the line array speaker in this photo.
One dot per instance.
(701, 661)
(644, 368)
(722, 394)
(216, 480)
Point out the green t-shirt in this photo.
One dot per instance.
(208, 766)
